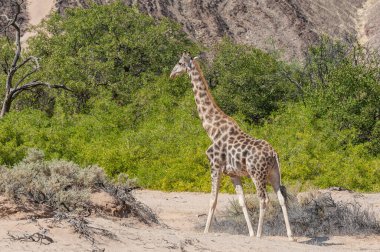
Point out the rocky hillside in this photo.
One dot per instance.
(369, 24)
(6, 8)
(285, 25)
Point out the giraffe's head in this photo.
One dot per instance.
(183, 65)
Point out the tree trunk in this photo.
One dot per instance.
(6, 105)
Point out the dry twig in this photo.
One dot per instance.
(40, 237)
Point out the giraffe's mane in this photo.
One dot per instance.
(208, 92)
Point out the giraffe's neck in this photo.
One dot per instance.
(214, 120)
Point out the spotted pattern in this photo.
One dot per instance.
(233, 152)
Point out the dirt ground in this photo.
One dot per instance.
(180, 215)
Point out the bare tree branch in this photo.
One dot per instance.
(7, 64)
(33, 84)
(16, 57)
(18, 46)
(26, 76)
(35, 69)
(35, 59)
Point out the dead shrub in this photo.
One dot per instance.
(66, 187)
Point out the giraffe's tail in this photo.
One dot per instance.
(282, 187)
(285, 195)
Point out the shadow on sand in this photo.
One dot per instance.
(320, 241)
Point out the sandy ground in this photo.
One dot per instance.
(180, 214)
(37, 10)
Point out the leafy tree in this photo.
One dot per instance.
(112, 48)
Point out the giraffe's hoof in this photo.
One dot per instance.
(258, 236)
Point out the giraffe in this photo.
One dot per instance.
(233, 152)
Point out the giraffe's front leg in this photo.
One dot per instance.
(215, 177)
(215, 181)
(240, 193)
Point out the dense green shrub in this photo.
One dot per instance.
(313, 152)
(166, 151)
(343, 84)
(156, 139)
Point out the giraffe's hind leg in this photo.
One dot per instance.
(240, 193)
(275, 180)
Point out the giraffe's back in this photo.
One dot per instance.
(247, 156)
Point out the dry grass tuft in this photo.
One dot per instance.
(316, 215)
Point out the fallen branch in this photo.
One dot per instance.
(40, 237)
(82, 227)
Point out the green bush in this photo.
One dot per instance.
(312, 152)
(344, 87)
(166, 150)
